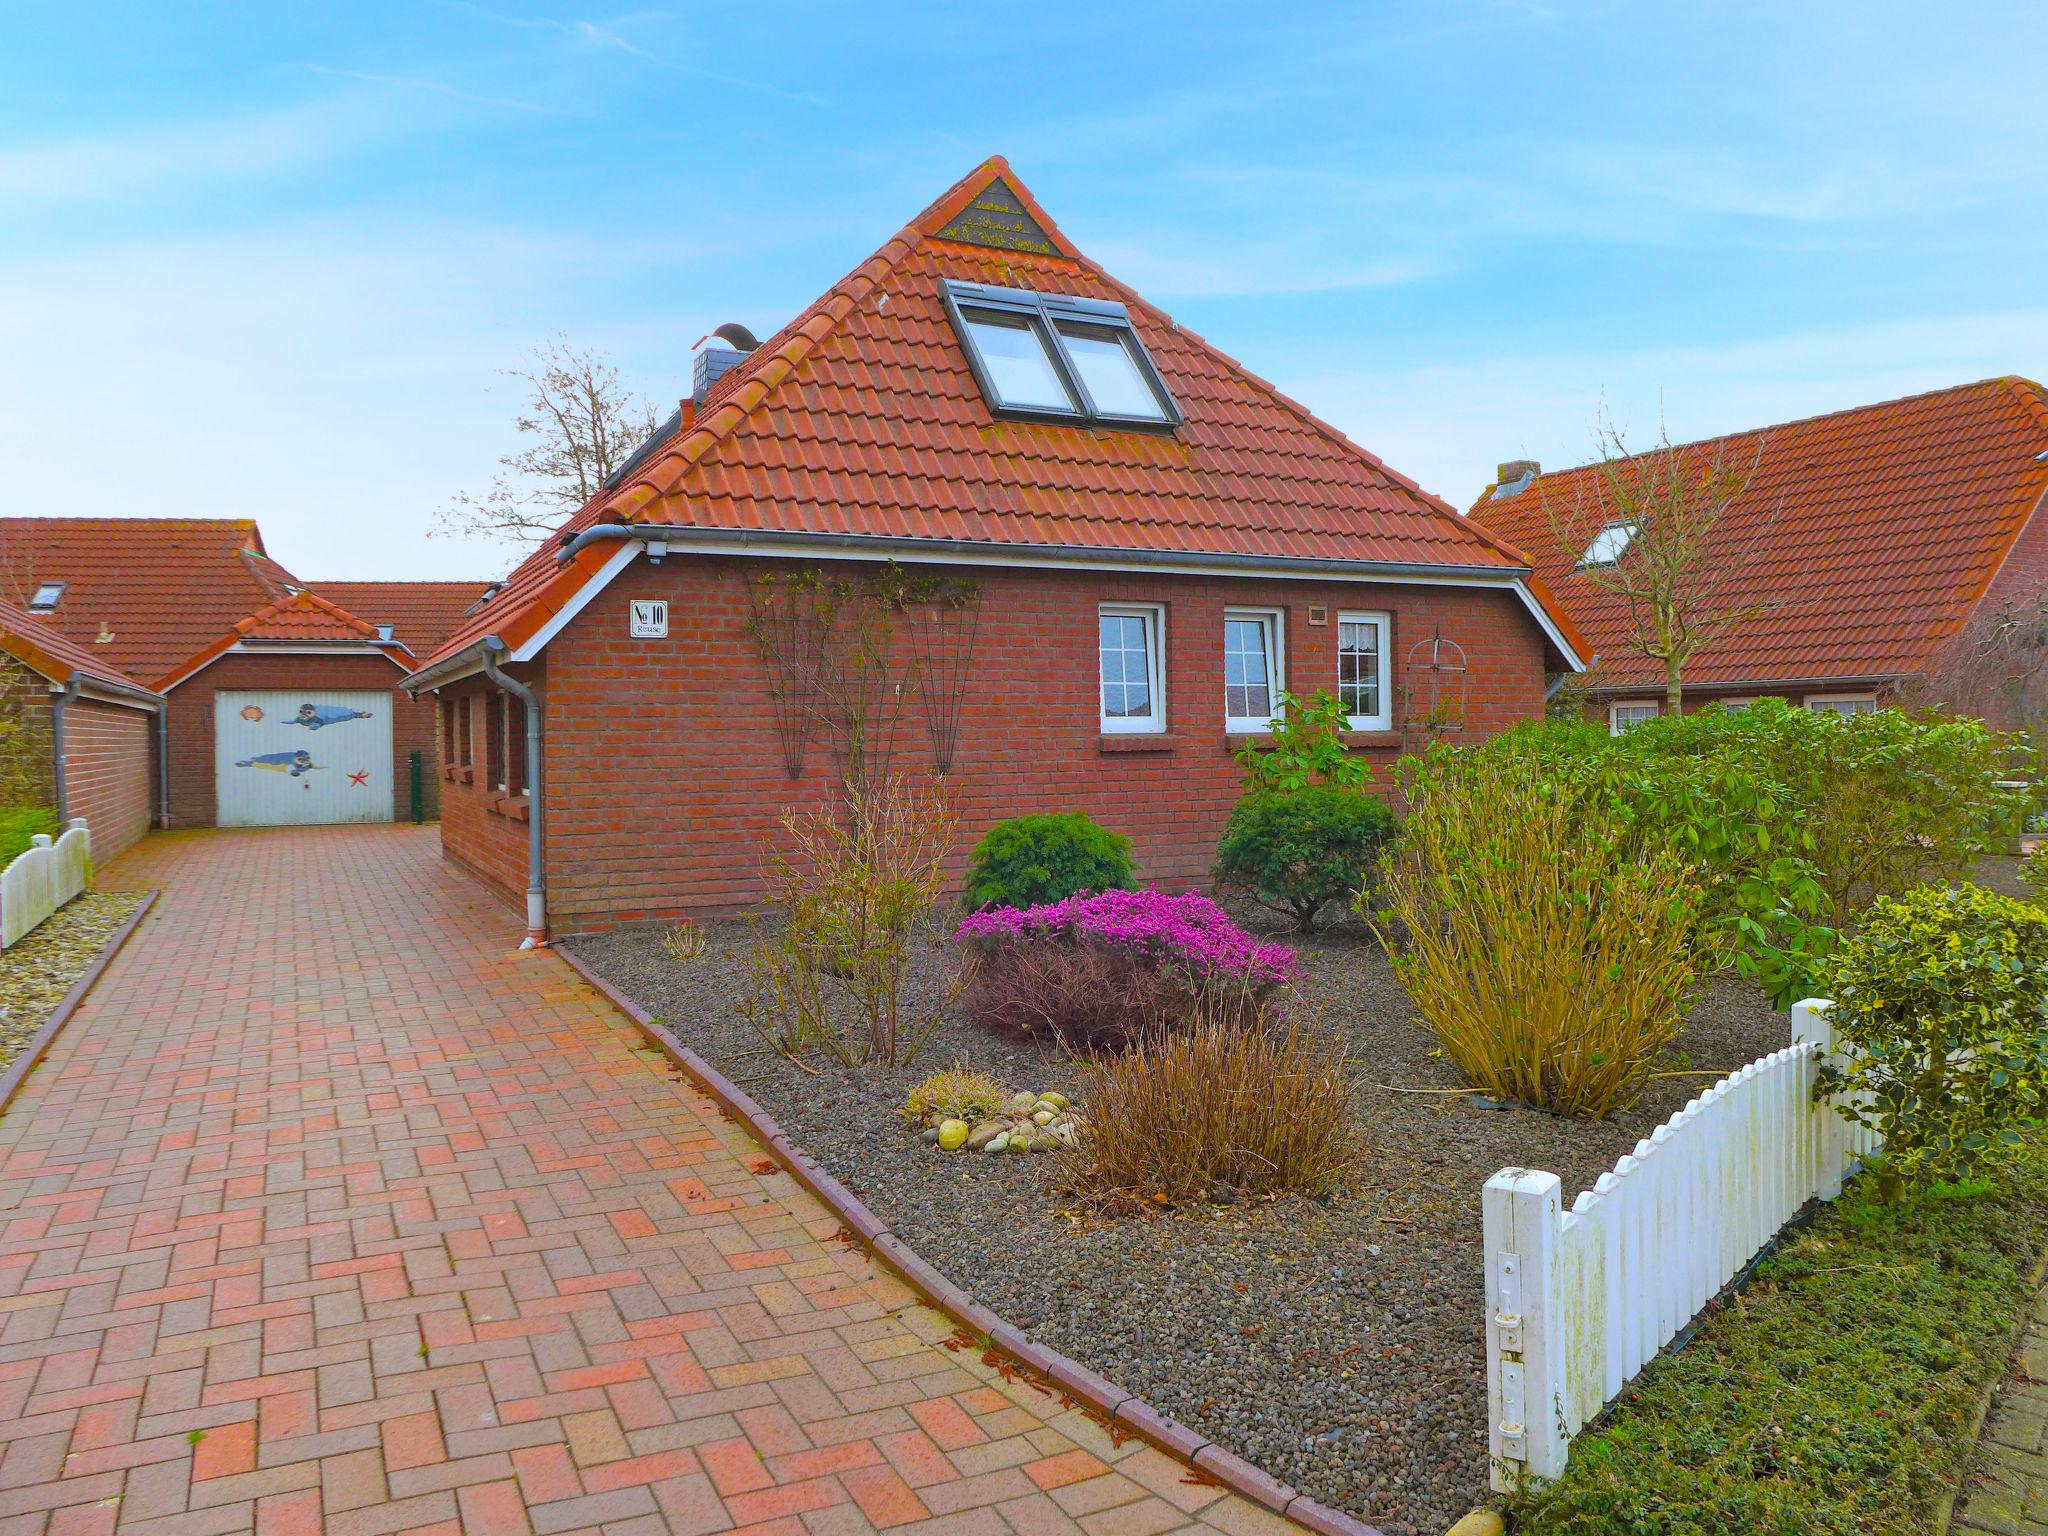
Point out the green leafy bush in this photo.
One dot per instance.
(1837, 1398)
(18, 825)
(1551, 952)
(1891, 799)
(1298, 851)
(1029, 861)
(1941, 1004)
(1305, 746)
(2034, 871)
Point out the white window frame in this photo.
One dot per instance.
(1824, 703)
(1595, 555)
(1614, 725)
(1737, 705)
(1275, 620)
(1384, 623)
(1154, 617)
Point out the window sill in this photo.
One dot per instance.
(1138, 741)
(462, 775)
(1359, 740)
(512, 807)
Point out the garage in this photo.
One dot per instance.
(310, 757)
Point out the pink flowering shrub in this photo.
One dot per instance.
(1109, 970)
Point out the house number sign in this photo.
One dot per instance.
(649, 619)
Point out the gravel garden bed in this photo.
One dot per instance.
(1338, 1344)
(37, 972)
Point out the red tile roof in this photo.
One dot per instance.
(422, 614)
(304, 618)
(140, 593)
(862, 417)
(1871, 532)
(53, 655)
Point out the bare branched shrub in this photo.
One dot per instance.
(857, 889)
(1550, 954)
(1260, 1111)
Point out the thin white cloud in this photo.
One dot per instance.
(1448, 425)
(1262, 269)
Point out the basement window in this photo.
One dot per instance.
(44, 599)
(1052, 357)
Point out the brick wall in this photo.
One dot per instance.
(109, 772)
(665, 774)
(483, 827)
(191, 727)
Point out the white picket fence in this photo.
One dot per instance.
(42, 879)
(1579, 1301)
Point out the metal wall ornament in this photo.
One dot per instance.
(1433, 677)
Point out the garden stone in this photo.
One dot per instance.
(984, 1133)
(997, 1143)
(952, 1134)
(1023, 1103)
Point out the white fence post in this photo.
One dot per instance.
(1578, 1302)
(42, 878)
(1810, 1026)
(1523, 1212)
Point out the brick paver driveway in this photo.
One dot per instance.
(330, 1211)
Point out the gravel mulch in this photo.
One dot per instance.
(37, 972)
(1337, 1344)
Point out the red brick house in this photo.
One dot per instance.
(279, 705)
(88, 734)
(1882, 540)
(1157, 541)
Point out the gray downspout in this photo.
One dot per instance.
(163, 766)
(536, 879)
(58, 700)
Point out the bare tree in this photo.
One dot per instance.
(1645, 530)
(579, 424)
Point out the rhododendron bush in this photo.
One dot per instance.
(1116, 968)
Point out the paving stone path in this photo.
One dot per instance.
(330, 1211)
(2008, 1495)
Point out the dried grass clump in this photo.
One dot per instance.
(685, 944)
(1551, 954)
(1260, 1110)
(958, 1093)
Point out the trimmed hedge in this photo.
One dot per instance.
(1031, 861)
(1836, 1397)
(1297, 851)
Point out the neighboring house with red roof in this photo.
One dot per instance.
(1160, 541)
(280, 705)
(1874, 540)
(87, 732)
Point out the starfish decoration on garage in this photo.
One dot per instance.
(360, 776)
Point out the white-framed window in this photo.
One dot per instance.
(1129, 647)
(1623, 713)
(1609, 544)
(1841, 703)
(1737, 706)
(1364, 678)
(1252, 676)
(1058, 356)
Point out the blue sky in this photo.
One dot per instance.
(264, 260)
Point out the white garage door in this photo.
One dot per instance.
(286, 759)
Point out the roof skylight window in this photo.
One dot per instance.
(1608, 545)
(1058, 358)
(45, 598)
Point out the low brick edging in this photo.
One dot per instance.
(39, 1044)
(1125, 1409)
